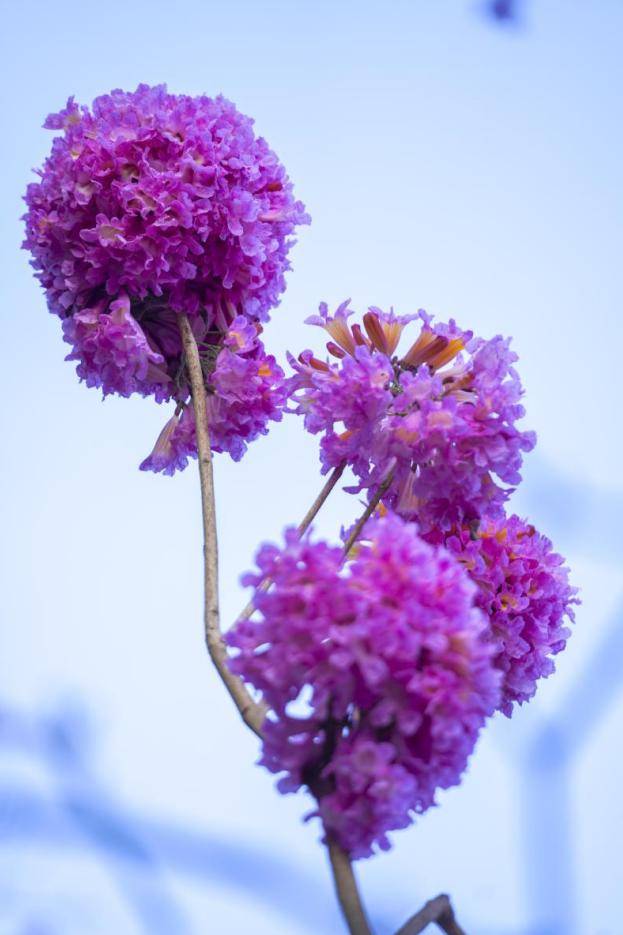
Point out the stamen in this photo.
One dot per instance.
(360, 337)
(318, 364)
(426, 345)
(335, 350)
(375, 332)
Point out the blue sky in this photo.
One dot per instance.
(448, 164)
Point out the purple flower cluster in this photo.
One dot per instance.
(378, 668)
(440, 417)
(149, 205)
(379, 673)
(161, 195)
(524, 592)
(376, 673)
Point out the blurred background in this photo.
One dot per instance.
(459, 156)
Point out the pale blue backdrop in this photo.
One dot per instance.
(448, 161)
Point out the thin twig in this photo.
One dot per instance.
(314, 509)
(305, 523)
(251, 712)
(438, 910)
(347, 890)
(365, 516)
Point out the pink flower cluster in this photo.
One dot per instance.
(524, 592)
(161, 195)
(152, 204)
(380, 667)
(376, 672)
(441, 417)
(380, 671)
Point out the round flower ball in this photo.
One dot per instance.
(151, 204)
(376, 673)
(525, 595)
(440, 422)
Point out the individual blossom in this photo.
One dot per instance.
(150, 205)
(113, 352)
(175, 444)
(440, 419)
(245, 392)
(525, 595)
(376, 675)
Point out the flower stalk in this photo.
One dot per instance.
(438, 910)
(367, 513)
(251, 712)
(347, 890)
(305, 523)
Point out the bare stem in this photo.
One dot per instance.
(438, 910)
(251, 712)
(365, 516)
(347, 890)
(305, 523)
(314, 509)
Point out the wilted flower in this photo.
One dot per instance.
(376, 674)
(440, 417)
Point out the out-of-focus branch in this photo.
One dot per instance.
(251, 712)
(438, 910)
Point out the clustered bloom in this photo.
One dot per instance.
(440, 419)
(150, 205)
(379, 671)
(524, 592)
(380, 667)
(376, 672)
